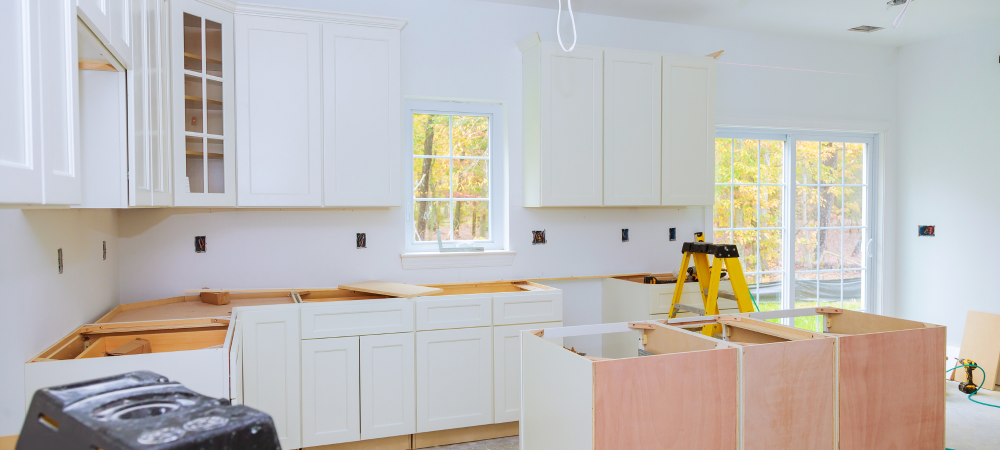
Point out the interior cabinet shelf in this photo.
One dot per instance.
(199, 58)
(210, 155)
(197, 99)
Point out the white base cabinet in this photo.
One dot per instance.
(454, 378)
(271, 368)
(507, 369)
(330, 397)
(388, 400)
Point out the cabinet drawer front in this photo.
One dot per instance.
(527, 307)
(356, 319)
(462, 312)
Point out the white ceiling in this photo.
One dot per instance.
(830, 19)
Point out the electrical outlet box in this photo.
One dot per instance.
(624, 234)
(673, 234)
(362, 240)
(199, 244)
(538, 237)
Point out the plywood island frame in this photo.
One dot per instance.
(867, 381)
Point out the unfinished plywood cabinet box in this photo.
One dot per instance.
(573, 402)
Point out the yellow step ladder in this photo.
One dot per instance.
(725, 255)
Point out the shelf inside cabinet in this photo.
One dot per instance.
(199, 58)
(197, 99)
(210, 155)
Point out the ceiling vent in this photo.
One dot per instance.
(865, 29)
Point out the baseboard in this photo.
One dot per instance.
(403, 442)
(459, 435)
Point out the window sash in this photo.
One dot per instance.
(788, 227)
(494, 196)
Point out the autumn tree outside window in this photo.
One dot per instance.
(801, 207)
(456, 178)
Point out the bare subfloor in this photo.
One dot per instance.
(970, 426)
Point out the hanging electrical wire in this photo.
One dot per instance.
(899, 18)
(569, 6)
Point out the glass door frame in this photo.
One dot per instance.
(871, 210)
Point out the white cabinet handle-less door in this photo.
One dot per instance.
(361, 116)
(688, 130)
(330, 399)
(454, 378)
(279, 115)
(571, 126)
(632, 128)
(388, 398)
(271, 369)
(20, 161)
(507, 369)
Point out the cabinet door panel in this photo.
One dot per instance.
(388, 397)
(688, 130)
(454, 378)
(330, 398)
(203, 96)
(632, 128)
(97, 15)
(507, 369)
(57, 100)
(20, 162)
(279, 122)
(572, 126)
(271, 368)
(361, 116)
(120, 27)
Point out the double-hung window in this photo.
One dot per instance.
(456, 177)
(801, 208)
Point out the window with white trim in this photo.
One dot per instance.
(455, 177)
(801, 207)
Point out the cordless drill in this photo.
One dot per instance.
(969, 385)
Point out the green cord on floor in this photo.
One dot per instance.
(977, 389)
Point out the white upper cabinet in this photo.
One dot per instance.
(361, 116)
(55, 92)
(608, 127)
(279, 113)
(688, 130)
(97, 15)
(120, 36)
(20, 161)
(631, 128)
(203, 96)
(563, 126)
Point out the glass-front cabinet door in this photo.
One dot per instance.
(204, 120)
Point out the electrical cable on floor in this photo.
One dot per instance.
(978, 388)
(755, 307)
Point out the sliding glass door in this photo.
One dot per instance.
(801, 207)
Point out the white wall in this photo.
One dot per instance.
(466, 49)
(40, 305)
(949, 112)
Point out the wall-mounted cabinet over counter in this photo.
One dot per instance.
(608, 127)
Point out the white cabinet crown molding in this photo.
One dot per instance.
(306, 14)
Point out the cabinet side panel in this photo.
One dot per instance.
(881, 409)
(658, 402)
(557, 397)
(531, 134)
(776, 416)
